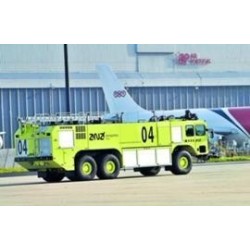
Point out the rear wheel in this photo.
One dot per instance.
(109, 167)
(72, 176)
(151, 171)
(52, 176)
(86, 168)
(182, 163)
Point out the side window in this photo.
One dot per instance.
(200, 130)
(189, 130)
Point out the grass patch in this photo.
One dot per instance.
(12, 170)
(226, 159)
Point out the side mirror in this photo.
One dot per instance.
(1, 139)
(211, 132)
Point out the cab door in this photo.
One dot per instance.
(197, 137)
(201, 138)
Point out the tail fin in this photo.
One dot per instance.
(117, 97)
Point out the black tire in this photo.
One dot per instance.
(109, 167)
(182, 163)
(150, 171)
(72, 177)
(85, 168)
(53, 176)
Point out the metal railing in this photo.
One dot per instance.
(62, 119)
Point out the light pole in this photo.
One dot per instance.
(67, 89)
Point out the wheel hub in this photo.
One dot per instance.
(110, 167)
(183, 162)
(86, 168)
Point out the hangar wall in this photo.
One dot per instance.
(28, 102)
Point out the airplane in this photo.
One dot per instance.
(1, 139)
(231, 124)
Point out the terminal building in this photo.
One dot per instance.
(165, 76)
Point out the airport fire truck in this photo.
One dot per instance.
(81, 147)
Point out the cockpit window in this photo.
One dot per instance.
(189, 130)
(200, 130)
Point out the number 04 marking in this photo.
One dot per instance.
(22, 147)
(147, 135)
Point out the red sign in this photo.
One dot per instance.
(191, 59)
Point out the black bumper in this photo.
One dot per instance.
(32, 159)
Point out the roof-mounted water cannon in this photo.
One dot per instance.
(189, 116)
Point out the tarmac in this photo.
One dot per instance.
(224, 184)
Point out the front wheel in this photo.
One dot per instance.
(86, 168)
(182, 163)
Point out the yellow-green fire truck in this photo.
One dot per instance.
(83, 147)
